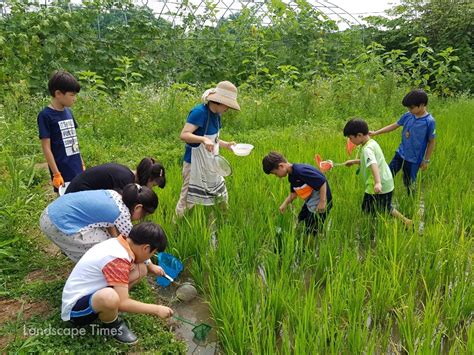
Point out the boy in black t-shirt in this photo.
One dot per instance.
(305, 182)
(57, 130)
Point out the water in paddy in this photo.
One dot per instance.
(196, 311)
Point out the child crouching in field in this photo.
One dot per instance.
(78, 221)
(99, 283)
(306, 182)
(374, 170)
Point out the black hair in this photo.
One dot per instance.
(271, 161)
(149, 233)
(148, 170)
(63, 81)
(415, 98)
(134, 194)
(356, 126)
(217, 103)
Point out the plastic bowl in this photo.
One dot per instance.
(242, 149)
(172, 267)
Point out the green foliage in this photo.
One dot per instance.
(93, 82)
(113, 46)
(16, 200)
(434, 72)
(124, 74)
(444, 24)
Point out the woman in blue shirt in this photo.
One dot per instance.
(201, 134)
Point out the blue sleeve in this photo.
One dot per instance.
(43, 126)
(197, 118)
(403, 119)
(313, 178)
(432, 129)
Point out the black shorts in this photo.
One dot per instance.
(313, 221)
(379, 203)
(82, 313)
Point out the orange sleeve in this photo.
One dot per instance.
(117, 271)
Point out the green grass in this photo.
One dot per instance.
(363, 286)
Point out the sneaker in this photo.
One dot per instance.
(120, 331)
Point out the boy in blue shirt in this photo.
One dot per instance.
(57, 130)
(418, 138)
(306, 182)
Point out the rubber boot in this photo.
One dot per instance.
(120, 331)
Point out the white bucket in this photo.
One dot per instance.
(242, 149)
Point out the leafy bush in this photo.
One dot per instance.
(115, 45)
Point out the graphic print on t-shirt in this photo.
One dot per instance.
(68, 133)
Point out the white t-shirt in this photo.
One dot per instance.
(105, 264)
(372, 154)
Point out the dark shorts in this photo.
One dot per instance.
(313, 221)
(379, 203)
(82, 312)
(410, 170)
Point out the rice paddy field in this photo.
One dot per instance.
(353, 289)
(363, 286)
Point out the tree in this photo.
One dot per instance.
(445, 23)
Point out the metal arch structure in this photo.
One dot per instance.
(212, 11)
(173, 11)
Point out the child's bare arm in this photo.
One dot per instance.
(130, 305)
(322, 198)
(429, 150)
(48, 154)
(113, 231)
(386, 129)
(155, 269)
(374, 168)
(352, 162)
(287, 201)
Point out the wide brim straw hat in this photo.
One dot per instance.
(224, 93)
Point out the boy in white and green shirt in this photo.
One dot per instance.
(374, 170)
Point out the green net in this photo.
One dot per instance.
(201, 331)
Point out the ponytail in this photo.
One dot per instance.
(148, 170)
(134, 194)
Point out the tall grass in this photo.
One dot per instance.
(357, 288)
